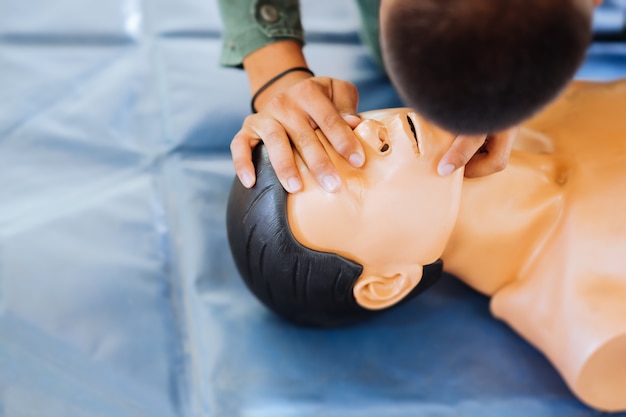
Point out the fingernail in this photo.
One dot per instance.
(356, 160)
(445, 170)
(247, 180)
(294, 184)
(330, 183)
(351, 119)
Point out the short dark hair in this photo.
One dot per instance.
(299, 284)
(479, 66)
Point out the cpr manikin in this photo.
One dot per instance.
(545, 238)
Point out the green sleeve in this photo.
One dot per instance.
(251, 24)
(370, 31)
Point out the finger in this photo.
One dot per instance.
(279, 151)
(345, 96)
(241, 150)
(312, 151)
(334, 111)
(281, 156)
(496, 155)
(300, 129)
(461, 151)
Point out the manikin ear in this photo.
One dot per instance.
(375, 291)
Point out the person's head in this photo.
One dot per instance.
(327, 259)
(480, 66)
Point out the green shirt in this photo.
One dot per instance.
(252, 24)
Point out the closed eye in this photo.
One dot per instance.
(412, 126)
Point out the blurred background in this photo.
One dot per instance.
(118, 296)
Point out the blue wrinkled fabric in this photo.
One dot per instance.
(118, 296)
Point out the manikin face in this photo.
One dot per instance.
(393, 215)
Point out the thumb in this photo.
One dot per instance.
(461, 151)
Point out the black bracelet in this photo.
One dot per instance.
(273, 80)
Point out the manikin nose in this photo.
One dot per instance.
(374, 134)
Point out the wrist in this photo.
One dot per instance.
(267, 62)
(278, 84)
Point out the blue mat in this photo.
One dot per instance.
(118, 296)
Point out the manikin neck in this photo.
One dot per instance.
(504, 218)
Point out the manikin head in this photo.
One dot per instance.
(481, 66)
(331, 258)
